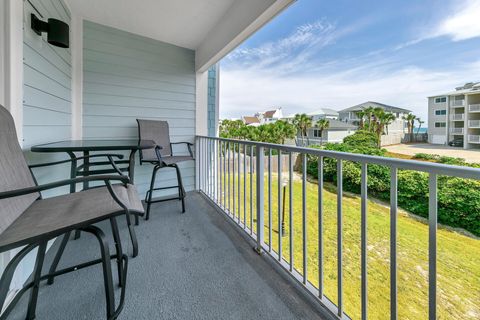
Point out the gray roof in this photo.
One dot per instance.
(386, 107)
(324, 111)
(339, 125)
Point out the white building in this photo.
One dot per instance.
(323, 113)
(454, 117)
(396, 130)
(337, 130)
(269, 115)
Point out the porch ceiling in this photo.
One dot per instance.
(210, 27)
(185, 23)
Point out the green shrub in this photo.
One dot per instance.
(362, 138)
(426, 156)
(458, 198)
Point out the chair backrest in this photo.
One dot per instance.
(157, 131)
(14, 172)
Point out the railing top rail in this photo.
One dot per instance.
(430, 167)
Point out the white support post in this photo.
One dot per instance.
(76, 44)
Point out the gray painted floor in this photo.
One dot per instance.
(190, 266)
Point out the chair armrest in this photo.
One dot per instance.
(189, 146)
(56, 184)
(110, 156)
(157, 152)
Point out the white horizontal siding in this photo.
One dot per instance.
(128, 77)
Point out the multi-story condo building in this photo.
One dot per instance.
(454, 117)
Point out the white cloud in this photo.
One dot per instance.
(463, 23)
(287, 54)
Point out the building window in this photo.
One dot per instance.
(441, 100)
(440, 112)
(440, 124)
(316, 134)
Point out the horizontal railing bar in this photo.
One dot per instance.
(437, 168)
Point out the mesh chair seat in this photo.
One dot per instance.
(168, 160)
(57, 214)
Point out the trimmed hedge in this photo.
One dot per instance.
(458, 198)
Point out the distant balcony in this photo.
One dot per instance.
(474, 123)
(457, 103)
(474, 107)
(457, 117)
(474, 138)
(457, 131)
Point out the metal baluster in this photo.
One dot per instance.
(251, 189)
(393, 243)
(239, 193)
(432, 246)
(209, 165)
(260, 200)
(224, 177)
(280, 201)
(290, 209)
(217, 171)
(339, 237)
(233, 180)
(228, 182)
(244, 186)
(269, 200)
(220, 177)
(363, 192)
(304, 217)
(320, 227)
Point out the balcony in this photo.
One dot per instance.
(457, 131)
(457, 103)
(474, 124)
(457, 117)
(474, 107)
(190, 265)
(473, 138)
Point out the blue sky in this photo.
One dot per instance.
(336, 54)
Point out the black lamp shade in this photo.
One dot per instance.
(57, 31)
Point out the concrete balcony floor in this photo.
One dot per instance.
(190, 266)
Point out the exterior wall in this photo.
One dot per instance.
(47, 80)
(437, 135)
(329, 135)
(128, 77)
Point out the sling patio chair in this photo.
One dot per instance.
(28, 221)
(161, 157)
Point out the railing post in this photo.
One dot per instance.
(260, 200)
(197, 163)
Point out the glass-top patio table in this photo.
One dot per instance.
(87, 146)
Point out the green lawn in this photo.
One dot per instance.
(458, 262)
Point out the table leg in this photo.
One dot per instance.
(131, 173)
(86, 168)
(73, 171)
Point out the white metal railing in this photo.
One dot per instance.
(227, 168)
(474, 123)
(457, 103)
(474, 138)
(456, 130)
(457, 116)
(474, 107)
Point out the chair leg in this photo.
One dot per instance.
(181, 190)
(150, 192)
(8, 273)
(118, 248)
(58, 256)
(37, 272)
(107, 269)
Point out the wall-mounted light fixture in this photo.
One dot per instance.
(57, 31)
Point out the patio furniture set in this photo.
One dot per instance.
(29, 221)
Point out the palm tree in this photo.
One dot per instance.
(420, 122)
(380, 122)
(284, 130)
(361, 115)
(369, 113)
(322, 124)
(410, 119)
(302, 122)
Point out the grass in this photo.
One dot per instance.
(458, 257)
